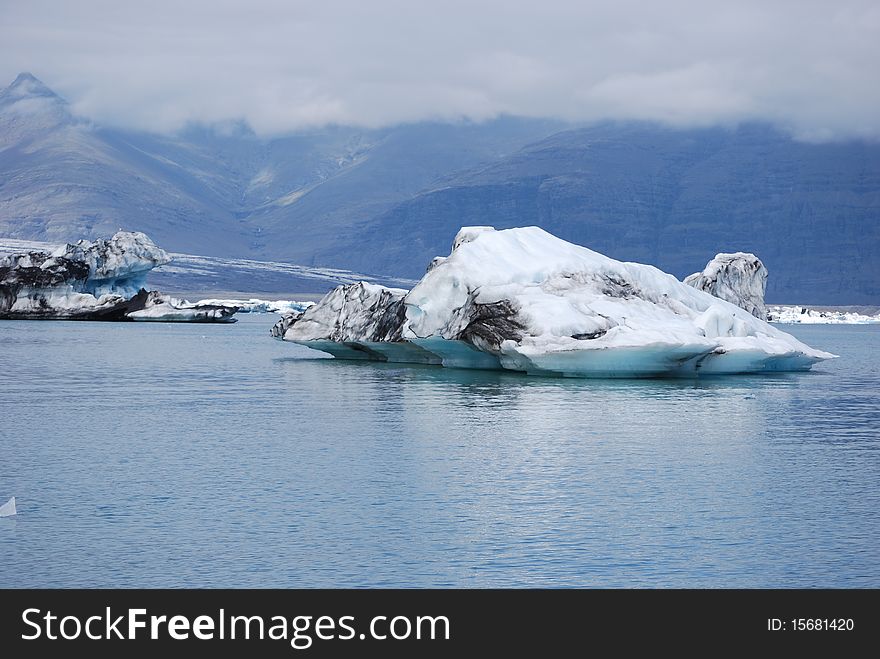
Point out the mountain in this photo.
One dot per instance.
(222, 191)
(63, 178)
(386, 201)
(671, 198)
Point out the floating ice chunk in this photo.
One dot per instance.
(256, 305)
(8, 508)
(807, 316)
(100, 280)
(163, 308)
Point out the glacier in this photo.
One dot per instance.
(524, 300)
(739, 278)
(95, 280)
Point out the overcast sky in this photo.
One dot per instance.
(812, 67)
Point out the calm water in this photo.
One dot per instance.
(196, 455)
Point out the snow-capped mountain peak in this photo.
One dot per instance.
(29, 109)
(26, 85)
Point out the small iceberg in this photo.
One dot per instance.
(162, 308)
(8, 508)
(100, 280)
(256, 305)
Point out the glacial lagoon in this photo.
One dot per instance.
(212, 456)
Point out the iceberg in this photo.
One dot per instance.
(8, 508)
(740, 278)
(257, 305)
(163, 308)
(801, 315)
(99, 280)
(524, 300)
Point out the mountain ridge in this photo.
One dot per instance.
(388, 200)
(672, 198)
(213, 190)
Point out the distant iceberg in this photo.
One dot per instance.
(257, 305)
(525, 300)
(741, 279)
(100, 280)
(166, 309)
(806, 316)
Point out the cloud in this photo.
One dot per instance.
(809, 66)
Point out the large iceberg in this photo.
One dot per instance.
(525, 300)
(740, 278)
(100, 280)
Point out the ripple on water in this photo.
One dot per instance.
(175, 455)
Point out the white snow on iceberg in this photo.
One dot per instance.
(524, 300)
